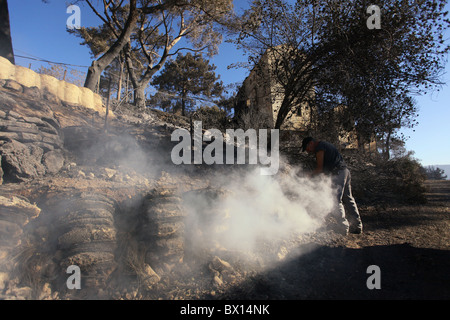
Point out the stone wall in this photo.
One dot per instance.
(262, 94)
(66, 92)
(30, 146)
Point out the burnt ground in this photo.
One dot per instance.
(410, 245)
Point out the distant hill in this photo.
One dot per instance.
(445, 167)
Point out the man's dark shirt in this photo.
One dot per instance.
(332, 159)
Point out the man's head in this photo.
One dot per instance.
(307, 144)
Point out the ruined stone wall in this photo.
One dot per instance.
(262, 92)
(66, 92)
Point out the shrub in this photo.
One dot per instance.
(399, 180)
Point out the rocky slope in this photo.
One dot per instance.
(110, 201)
(74, 193)
(106, 199)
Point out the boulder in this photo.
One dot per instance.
(53, 161)
(21, 162)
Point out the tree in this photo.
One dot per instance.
(6, 48)
(325, 47)
(121, 30)
(147, 35)
(379, 71)
(189, 75)
(117, 43)
(157, 37)
(434, 173)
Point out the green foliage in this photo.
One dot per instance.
(188, 76)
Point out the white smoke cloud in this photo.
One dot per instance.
(257, 209)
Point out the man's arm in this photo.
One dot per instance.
(319, 162)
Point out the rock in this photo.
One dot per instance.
(21, 162)
(81, 174)
(22, 293)
(17, 210)
(8, 136)
(32, 92)
(46, 292)
(149, 276)
(13, 115)
(282, 253)
(13, 85)
(109, 173)
(220, 265)
(217, 281)
(71, 165)
(53, 161)
(15, 213)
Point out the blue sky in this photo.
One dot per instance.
(39, 30)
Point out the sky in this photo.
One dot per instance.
(38, 30)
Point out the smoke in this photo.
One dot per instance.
(253, 210)
(243, 213)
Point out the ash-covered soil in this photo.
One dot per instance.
(409, 244)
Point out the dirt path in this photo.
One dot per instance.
(409, 244)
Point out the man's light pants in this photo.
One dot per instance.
(347, 211)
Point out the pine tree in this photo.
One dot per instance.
(187, 76)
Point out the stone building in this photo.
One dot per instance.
(259, 101)
(260, 98)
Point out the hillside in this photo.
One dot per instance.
(139, 227)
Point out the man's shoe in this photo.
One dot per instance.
(355, 229)
(341, 229)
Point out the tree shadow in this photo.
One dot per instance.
(338, 273)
